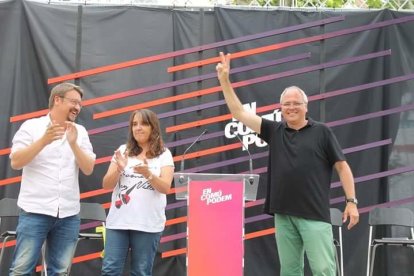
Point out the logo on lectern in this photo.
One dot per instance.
(210, 197)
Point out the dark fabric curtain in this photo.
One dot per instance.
(41, 41)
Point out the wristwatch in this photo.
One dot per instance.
(352, 200)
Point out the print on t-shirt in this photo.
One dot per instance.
(134, 182)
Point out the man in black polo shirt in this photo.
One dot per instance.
(302, 155)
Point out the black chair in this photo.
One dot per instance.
(401, 217)
(336, 221)
(91, 212)
(8, 209)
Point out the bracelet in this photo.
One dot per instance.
(150, 176)
(119, 171)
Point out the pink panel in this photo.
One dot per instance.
(215, 228)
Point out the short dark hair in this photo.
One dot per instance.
(61, 89)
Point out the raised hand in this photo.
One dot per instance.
(143, 169)
(121, 160)
(71, 132)
(223, 68)
(53, 132)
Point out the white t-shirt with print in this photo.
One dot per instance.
(136, 205)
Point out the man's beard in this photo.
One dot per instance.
(71, 117)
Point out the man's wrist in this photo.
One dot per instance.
(352, 200)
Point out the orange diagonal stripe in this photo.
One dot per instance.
(176, 221)
(177, 190)
(5, 151)
(94, 193)
(107, 68)
(103, 159)
(8, 244)
(199, 123)
(10, 180)
(207, 151)
(86, 257)
(259, 233)
(28, 115)
(125, 109)
(172, 253)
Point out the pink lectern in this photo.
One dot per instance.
(215, 220)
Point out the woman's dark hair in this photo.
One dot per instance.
(155, 140)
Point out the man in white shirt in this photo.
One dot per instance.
(50, 150)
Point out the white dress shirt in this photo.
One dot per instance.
(50, 183)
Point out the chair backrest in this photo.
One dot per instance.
(336, 217)
(336, 220)
(8, 207)
(391, 216)
(92, 211)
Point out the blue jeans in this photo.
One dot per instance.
(32, 230)
(143, 248)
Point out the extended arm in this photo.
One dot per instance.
(249, 119)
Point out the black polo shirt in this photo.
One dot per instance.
(300, 168)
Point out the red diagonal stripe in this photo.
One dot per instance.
(193, 94)
(208, 151)
(10, 180)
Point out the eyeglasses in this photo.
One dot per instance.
(289, 104)
(74, 102)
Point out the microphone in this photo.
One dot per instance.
(251, 178)
(181, 179)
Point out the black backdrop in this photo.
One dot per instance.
(40, 41)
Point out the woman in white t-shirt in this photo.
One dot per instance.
(140, 175)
